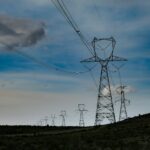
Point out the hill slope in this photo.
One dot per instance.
(131, 134)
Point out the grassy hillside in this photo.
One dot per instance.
(131, 134)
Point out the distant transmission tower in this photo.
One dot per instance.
(63, 116)
(53, 117)
(123, 101)
(105, 106)
(81, 109)
(46, 120)
(40, 122)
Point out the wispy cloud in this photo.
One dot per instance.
(117, 90)
(36, 81)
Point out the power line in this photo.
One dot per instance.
(49, 66)
(60, 5)
(92, 75)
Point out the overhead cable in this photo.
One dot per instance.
(50, 66)
(60, 5)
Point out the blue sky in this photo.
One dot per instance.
(29, 90)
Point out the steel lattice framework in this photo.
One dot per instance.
(123, 103)
(122, 100)
(105, 106)
(63, 116)
(81, 109)
(46, 120)
(53, 117)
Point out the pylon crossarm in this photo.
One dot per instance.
(116, 58)
(91, 59)
(105, 39)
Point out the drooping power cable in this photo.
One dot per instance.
(49, 66)
(60, 5)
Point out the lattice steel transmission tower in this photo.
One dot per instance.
(123, 101)
(105, 106)
(63, 116)
(81, 109)
(46, 120)
(40, 122)
(53, 117)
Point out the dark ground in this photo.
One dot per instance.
(131, 134)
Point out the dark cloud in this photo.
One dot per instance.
(4, 30)
(16, 32)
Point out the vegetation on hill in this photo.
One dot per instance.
(130, 134)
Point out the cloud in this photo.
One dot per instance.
(127, 89)
(36, 81)
(16, 32)
(116, 90)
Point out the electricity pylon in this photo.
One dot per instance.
(123, 101)
(81, 109)
(53, 117)
(63, 116)
(40, 122)
(46, 120)
(105, 106)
